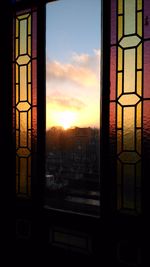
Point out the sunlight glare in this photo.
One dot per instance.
(66, 119)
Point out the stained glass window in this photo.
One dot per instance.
(129, 96)
(24, 97)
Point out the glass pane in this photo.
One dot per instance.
(24, 98)
(146, 70)
(113, 73)
(129, 70)
(146, 19)
(129, 6)
(113, 22)
(23, 36)
(73, 105)
(128, 128)
(131, 87)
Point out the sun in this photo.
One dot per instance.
(66, 119)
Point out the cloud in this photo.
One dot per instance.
(83, 70)
(65, 102)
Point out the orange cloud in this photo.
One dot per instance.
(83, 70)
(65, 102)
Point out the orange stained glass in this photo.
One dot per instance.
(23, 129)
(119, 116)
(23, 91)
(23, 83)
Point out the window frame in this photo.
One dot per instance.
(110, 228)
(37, 184)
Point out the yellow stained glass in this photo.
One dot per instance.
(29, 119)
(17, 73)
(139, 83)
(22, 60)
(120, 6)
(130, 41)
(17, 48)
(120, 27)
(129, 70)
(139, 56)
(23, 36)
(29, 45)
(29, 24)
(119, 141)
(119, 91)
(24, 16)
(139, 4)
(139, 23)
(29, 72)
(138, 140)
(128, 128)
(138, 114)
(120, 54)
(23, 83)
(119, 116)
(17, 93)
(129, 16)
(29, 93)
(23, 129)
(128, 99)
(23, 106)
(23, 174)
(17, 28)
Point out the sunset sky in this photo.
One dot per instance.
(73, 63)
